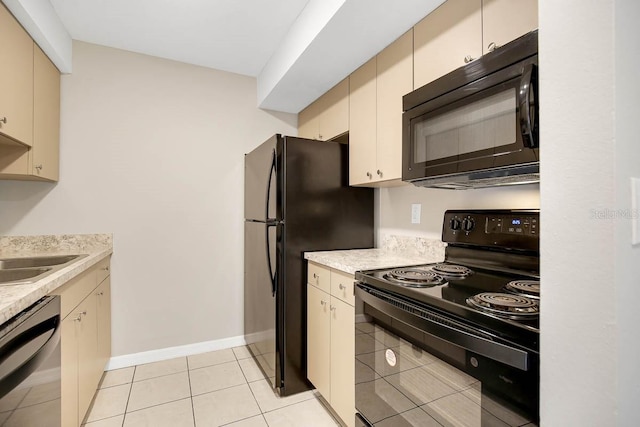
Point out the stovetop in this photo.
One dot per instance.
(454, 295)
(489, 279)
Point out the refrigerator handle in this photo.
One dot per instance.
(271, 222)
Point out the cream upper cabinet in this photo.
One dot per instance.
(328, 116)
(29, 108)
(46, 118)
(460, 31)
(362, 124)
(446, 38)
(16, 81)
(394, 80)
(331, 339)
(506, 20)
(375, 114)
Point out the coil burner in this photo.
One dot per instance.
(505, 305)
(452, 271)
(527, 288)
(414, 277)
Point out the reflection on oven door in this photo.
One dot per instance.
(399, 384)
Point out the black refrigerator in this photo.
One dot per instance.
(297, 199)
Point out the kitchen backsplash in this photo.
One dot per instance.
(64, 243)
(413, 246)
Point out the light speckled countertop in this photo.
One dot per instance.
(15, 298)
(396, 251)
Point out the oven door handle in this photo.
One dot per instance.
(434, 324)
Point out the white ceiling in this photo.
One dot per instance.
(297, 49)
(231, 35)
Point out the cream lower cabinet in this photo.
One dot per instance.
(85, 340)
(331, 340)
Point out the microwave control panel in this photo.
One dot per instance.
(517, 229)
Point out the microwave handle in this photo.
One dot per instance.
(527, 124)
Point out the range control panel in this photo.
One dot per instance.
(513, 229)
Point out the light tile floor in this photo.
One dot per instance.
(221, 388)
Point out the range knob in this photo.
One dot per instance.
(468, 224)
(455, 224)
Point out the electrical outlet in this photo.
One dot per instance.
(416, 209)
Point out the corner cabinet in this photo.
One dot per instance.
(375, 114)
(85, 339)
(460, 31)
(328, 116)
(331, 338)
(29, 107)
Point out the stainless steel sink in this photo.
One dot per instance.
(19, 271)
(19, 275)
(41, 261)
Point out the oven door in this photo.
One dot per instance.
(487, 124)
(408, 377)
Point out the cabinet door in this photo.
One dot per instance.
(318, 340)
(334, 111)
(343, 360)
(16, 80)
(70, 329)
(103, 307)
(46, 117)
(362, 124)
(88, 376)
(342, 286)
(394, 80)
(506, 20)
(445, 37)
(308, 121)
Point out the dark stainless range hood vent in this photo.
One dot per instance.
(514, 175)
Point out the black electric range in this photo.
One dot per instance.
(478, 310)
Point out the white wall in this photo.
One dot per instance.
(627, 262)
(589, 269)
(152, 151)
(394, 206)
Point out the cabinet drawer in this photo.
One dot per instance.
(103, 270)
(319, 276)
(342, 286)
(74, 291)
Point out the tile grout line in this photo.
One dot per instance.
(133, 376)
(193, 411)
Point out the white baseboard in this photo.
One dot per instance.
(127, 360)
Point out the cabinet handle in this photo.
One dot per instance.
(83, 313)
(323, 302)
(100, 293)
(332, 308)
(39, 167)
(369, 175)
(468, 59)
(78, 318)
(492, 46)
(105, 268)
(319, 136)
(342, 287)
(379, 173)
(3, 120)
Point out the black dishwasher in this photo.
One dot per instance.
(30, 366)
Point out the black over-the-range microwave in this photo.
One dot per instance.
(478, 125)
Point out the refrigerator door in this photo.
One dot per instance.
(259, 296)
(260, 182)
(321, 212)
